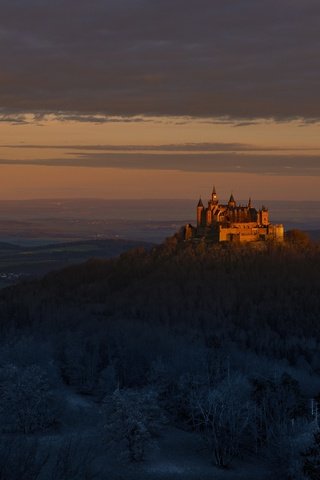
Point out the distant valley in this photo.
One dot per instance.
(39, 222)
(23, 262)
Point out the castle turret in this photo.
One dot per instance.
(200, 209)
(214, 198)
(231, 202)
(264, 216)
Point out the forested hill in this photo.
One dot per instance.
(256, 287)
(165, 360)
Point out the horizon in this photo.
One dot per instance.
(146, 199)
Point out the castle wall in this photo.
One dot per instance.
(249, 232)
(242, 233)
(276, 232)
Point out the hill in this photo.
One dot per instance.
(153, 347)
(233, 282)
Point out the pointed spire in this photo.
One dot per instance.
(200, 204)
(214, 198)
(249, 203)
(231, 203)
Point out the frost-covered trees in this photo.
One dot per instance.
(27, 404)
(223, 414)
(131, 419)
(210, 328)
(279, 404)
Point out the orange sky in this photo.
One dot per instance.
(30, 181)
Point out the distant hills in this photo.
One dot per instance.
(18, 262)
(313, 234)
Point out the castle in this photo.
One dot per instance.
(232, 223)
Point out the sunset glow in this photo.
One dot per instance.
(158, 158)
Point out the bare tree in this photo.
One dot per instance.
(223, 416)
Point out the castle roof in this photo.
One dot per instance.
(200, 204)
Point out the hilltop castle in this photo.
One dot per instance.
(231, 222)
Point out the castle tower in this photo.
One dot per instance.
(214, 198)
(200, 209)
(231, 203)
(264, 216)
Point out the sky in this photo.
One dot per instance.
(159, 99)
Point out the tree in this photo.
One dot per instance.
(223, 416)
(27, 405)
(279, 404)
(131, 420)
(298, 237)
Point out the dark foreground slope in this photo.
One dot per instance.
(184, 358)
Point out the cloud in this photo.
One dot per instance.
(287, 165)
(14, 119)
(174, 147)
(42, 117)
(98, 119)
(170, 148)
(198, 58)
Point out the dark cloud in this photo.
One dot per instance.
(181, 147)
(205, 58)
(190, 162)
